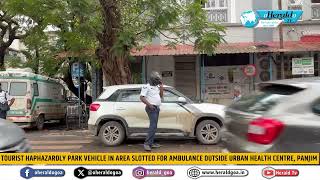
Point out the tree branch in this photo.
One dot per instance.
(148, 29)
(26, 53)
(180, 27)
(2, 25)
(11, 37)
(173, 38)
(3, 14)
(3, 31)
(22, 36)
(133, 19)
(12, 27)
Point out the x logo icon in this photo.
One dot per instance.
(80, 172)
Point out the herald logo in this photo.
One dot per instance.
(270, 172)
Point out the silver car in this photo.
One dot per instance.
(12, 138)
(284, 116)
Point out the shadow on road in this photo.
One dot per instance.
(57, 137)
(56, 125)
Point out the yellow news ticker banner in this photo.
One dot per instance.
(159, 158)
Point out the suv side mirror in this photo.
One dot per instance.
(182, 100)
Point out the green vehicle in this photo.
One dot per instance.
(37, 98)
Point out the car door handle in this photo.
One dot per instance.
(120, 108)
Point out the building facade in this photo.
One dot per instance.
(15, 50)
(214, 78)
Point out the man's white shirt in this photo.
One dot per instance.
(4, 96)
(152, 94)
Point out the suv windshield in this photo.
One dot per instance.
(264, 99)
(179, 94)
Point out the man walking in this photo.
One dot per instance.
(151, 95)
(4, 103)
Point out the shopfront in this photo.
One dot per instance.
(223, 73)
(214, 78)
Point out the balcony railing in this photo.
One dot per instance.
(315, 11)
(217, 15)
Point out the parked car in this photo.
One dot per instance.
(12, 138)
(119, 114)
(284, 116)
(37, 98)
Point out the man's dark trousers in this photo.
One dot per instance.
(153, 117)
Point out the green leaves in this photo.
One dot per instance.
(56, 26)
(13, 61)
(176, 22)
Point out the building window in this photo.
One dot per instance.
(217, 10)
(315, 7)
(210, 4)
(223, 3)
(295, 5)
(295, 2)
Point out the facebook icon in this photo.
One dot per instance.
(26, 172)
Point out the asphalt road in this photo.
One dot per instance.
(56, 138)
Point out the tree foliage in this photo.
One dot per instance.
(176, 21)
(50, 27)
(112, 27)
(18, 19)
(132, 24)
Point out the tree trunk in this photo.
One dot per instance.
(67, 78)
(115, 67)
(37, 61)
(2, 54)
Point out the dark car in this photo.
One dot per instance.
(284, 116)
(12, 138)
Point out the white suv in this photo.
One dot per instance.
(119, 114)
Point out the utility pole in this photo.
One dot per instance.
(281, 43)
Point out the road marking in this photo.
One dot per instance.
(62, 147)
(61, 142)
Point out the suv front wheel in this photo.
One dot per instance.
(112, 133)
(208, 132)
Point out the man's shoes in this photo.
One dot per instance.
(155, 145)
(147, 147)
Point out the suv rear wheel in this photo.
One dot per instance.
(112, 133)
(208, 132)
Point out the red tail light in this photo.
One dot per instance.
(29, 103)
(264, 130)
(94, 107)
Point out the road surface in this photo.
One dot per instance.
(55, 138)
